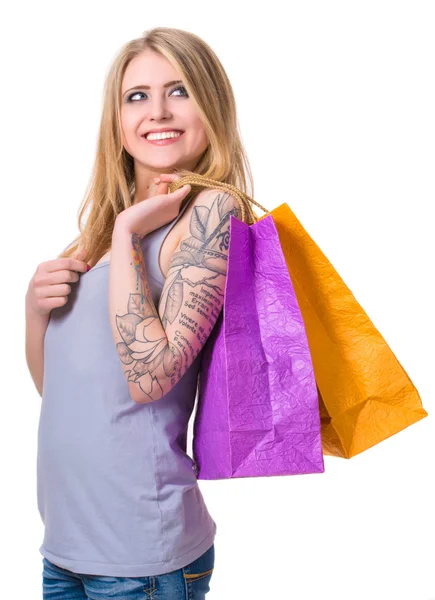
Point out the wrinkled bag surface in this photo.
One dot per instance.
(258, 406)
(365, 394)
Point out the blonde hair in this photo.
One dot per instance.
(111, 187)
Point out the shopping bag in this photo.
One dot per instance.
(365, 394)
(258, 409)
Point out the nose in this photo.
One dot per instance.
(158, 109)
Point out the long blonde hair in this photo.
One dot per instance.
(111, 187)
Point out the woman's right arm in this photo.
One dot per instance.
(49, 288)
(36, 326)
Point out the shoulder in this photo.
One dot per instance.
(218, 197)
(210, 208)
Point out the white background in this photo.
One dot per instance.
(336, 108)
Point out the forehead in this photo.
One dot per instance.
(148, 68)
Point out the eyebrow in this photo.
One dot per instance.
(147, 87)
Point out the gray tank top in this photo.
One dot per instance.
(116, 490)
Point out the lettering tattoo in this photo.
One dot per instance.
(193, 291)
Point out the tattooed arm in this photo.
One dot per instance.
(156, 348)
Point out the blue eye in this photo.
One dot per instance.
(179, 88)
(130, 98)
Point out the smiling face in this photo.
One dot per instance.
(146, 104)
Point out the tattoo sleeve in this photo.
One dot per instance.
(157, 347)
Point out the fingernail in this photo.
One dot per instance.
(88, 268)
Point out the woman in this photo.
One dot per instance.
(115, 351)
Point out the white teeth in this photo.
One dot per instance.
(163, 136)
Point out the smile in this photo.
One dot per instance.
(163, 139)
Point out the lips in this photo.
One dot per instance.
(145, 135)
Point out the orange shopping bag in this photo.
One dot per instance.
(365, 395)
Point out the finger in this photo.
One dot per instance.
(169, 176)
(80, 256)
(162, 187)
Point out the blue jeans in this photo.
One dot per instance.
(188, 583)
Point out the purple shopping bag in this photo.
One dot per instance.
(258, 409)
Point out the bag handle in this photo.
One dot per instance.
(200, 180)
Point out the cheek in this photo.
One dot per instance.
(125, 140)
(128, 120)
(200, 135)
(127, 130)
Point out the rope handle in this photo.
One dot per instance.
(200, 180)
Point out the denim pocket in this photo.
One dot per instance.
(197, 576)
(201, 567)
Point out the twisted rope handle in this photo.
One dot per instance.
(200, 180)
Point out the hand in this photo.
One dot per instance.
(49, 286)
(161, 183)
(156, 210)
